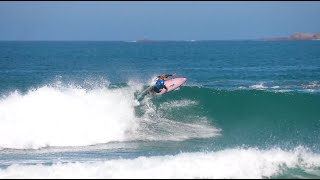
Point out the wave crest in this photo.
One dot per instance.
(75, 116)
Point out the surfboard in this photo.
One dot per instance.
(172, 84)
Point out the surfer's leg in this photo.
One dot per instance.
(150, 90)
(165, 87)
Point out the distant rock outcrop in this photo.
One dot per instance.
(295, 36)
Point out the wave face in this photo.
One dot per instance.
(252, 117)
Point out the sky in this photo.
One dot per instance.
(166, 20)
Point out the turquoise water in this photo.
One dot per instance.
(249, 109)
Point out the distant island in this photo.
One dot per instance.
(294, 36)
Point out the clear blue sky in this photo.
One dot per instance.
(156, 20)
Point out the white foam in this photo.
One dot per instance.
(275, 87)
(230, 163)
(311, 85)
(65, 117)
(283, 90)
(258, 86)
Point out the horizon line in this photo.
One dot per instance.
(153, 40)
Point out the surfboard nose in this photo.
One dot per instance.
(184, 79)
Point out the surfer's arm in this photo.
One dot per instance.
(165, 87)
(168, 75)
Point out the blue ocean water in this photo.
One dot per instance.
(249, 109)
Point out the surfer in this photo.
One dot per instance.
(160, 83)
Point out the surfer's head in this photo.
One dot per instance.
(162, 77)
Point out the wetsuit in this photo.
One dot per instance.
(160, 84)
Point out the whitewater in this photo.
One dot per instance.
(231, 163)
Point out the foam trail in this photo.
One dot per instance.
(179, 103)
(168, 130)
(153, 127)
(230, 163)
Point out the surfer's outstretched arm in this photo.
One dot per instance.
(168, 75)
(165, 76)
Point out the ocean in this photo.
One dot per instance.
(249, 109)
